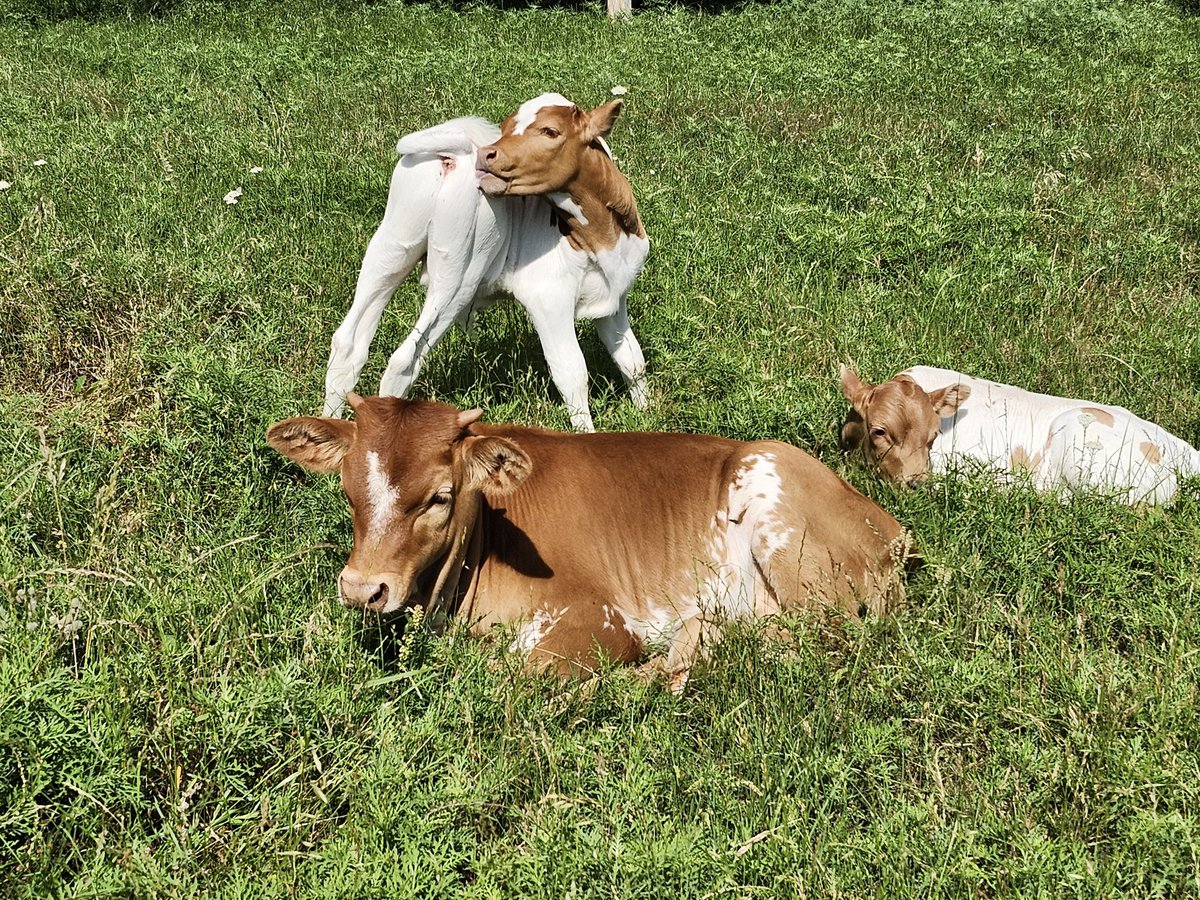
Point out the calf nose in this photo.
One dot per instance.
(485, 157)
(359, 592)
(918, 479)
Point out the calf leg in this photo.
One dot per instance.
(464, 240)
(691, 644)
(626, 352)
(396, 247)
(554, 321)
(387, 262)
(405, 363)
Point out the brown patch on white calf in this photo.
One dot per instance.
(1151, 451)
(1021, 461)
(1104, 417)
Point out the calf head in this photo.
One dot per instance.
(895, 423)
(542, 146)
(414, 473)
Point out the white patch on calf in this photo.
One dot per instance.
(755, 532)
(609, 276)
(380, 492)
(756, 492)
(563, 201)
(530, 108)
(531, 633)
(656, 631)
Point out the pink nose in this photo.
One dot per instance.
(485, 157)
(362, 593)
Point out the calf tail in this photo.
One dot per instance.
(458, 137)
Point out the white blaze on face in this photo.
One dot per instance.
(380, 493)
(530, 108)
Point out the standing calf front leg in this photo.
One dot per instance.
(554, 320)
(618, 337)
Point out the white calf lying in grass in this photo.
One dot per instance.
(933, 420)
(537, 209)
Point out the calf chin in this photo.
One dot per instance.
(493, 185)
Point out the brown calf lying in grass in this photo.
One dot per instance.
(590, 546)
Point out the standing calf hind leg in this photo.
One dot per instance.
(405, 363)
(386, 264)
(396, 247)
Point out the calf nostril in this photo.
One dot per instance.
(489, 155)
(379, 597)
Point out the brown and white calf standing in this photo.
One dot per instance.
(537, 209)
(927, 420)
(591, 545)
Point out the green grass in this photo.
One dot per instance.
(1011, 187)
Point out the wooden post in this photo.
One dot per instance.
(618, 9)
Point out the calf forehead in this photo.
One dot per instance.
(902, 401)
(399, 450)
(544, 106)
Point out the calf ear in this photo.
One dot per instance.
(599, 122)
(947, 400)
(495, 465)
(317, 444)
(854, 388)
(469, 417)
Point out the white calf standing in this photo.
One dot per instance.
(537, 209)
(933, 420)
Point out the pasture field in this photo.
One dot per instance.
(1007, 187)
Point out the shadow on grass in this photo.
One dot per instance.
(502, 357)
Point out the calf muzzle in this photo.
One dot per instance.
(374, 593)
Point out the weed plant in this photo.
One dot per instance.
(1012, 188)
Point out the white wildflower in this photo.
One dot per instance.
(39, 162)
(232, 197)
(254, 170)
(4, 185)
(620, 90)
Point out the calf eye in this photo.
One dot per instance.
(441, 498)
(550, 132)
(878, 431)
